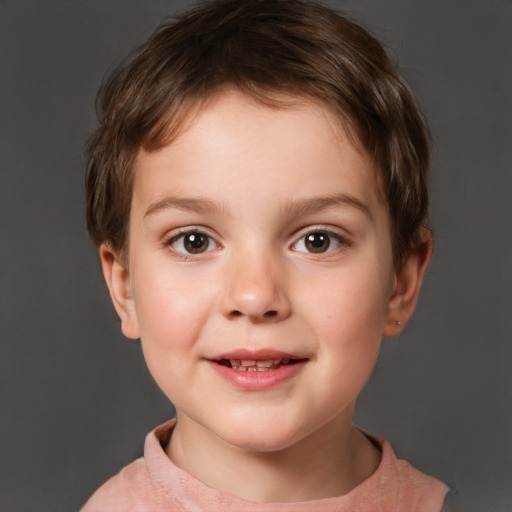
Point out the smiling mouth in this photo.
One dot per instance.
(248, 365)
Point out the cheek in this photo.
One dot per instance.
(350, 336)
(348, 315)
(349, 304)
(167, 301)
(171, 312)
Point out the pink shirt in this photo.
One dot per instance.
(154, 484)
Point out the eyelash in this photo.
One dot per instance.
(180, 239)
(331, 236)
(340, 241)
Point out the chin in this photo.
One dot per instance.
(262, 437)
(261, 445)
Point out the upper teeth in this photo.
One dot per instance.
(253, 365)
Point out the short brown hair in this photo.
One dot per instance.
(260, 47)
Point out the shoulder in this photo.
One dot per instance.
(422, 489)
(453, 503)
(130, 487)
(405, 487)
(138, 486)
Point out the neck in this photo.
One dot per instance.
(330, 462)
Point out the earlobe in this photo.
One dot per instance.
(407, 285)
(118, 282)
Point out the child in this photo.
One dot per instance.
(257, 189)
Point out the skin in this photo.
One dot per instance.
(257, 181)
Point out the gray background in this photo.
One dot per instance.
(75, 398)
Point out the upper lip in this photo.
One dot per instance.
(256, 355)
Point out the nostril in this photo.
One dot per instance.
(270, 314)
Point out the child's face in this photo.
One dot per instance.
(258, 235)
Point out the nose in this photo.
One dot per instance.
(256, 290)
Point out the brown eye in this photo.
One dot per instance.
(193, 242)
(317, 242)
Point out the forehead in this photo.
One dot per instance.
(233, 136)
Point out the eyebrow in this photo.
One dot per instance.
(316, 204)
(199, 205)
(297, 207)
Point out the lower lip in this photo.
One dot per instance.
(258, 381)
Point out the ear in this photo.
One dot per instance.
(406, 287)
(117, 277)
